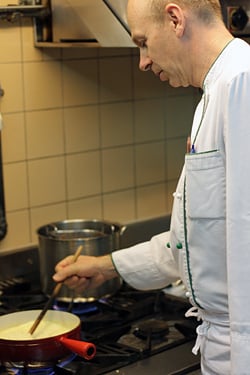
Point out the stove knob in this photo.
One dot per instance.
(239, 19)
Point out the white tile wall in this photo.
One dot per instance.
(151, 200)
(150, 163)
(44, 133)
(86, 135)
(83, 174)
(118, 170)
(116, 124)
(82, 130)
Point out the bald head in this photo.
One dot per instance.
(178, 40)
(205, 10)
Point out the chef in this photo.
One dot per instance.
(185, 42)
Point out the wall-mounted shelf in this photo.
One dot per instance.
(38, 10)
(11, 12)
(66, 45)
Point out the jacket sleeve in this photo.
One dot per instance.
(148, 265)
(237, 141)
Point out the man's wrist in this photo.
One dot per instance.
(107, 267)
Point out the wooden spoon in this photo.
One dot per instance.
(53, 295)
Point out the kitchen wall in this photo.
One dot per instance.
(86, 135)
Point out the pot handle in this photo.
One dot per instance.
(85, 349)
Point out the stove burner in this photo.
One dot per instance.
(11, 369)
(153, 328)
(34, 368)
(77, 308)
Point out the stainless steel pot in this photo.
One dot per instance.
(60, 239)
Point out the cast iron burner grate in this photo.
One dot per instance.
(12, 303)
(155, 329)
(109, 357)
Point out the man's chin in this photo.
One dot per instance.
(174, 84)
(178, 84)
(164, 78)
(171, 82)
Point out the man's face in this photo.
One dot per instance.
(160, 47)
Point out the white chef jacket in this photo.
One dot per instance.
(209, 241)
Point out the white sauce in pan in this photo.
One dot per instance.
(45, 329)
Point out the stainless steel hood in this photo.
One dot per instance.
(83, 21)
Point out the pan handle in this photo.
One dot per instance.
(85, 349)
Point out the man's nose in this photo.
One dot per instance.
(145, 63)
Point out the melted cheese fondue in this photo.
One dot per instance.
(45, 329)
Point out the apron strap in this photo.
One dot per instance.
(207, 320)
(200, 330)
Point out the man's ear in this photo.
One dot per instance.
(176, 17)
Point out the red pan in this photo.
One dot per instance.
(56, 337)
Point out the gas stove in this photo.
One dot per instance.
(134, 332)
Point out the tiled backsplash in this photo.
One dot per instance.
(86, 135)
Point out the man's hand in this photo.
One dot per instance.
(88, 272)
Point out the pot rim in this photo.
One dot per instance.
(48, 230)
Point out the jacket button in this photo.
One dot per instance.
(179, 245)
(168, 245)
